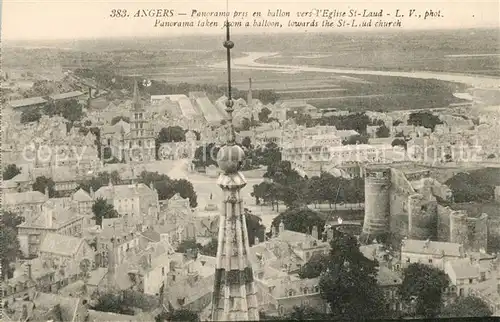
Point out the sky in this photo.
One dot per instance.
(74, 19)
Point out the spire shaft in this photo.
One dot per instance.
(229, 104)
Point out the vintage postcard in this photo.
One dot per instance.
(226, 160)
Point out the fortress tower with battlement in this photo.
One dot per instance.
(403, 200)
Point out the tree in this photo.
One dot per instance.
(29, 116)
(188, 244)
(463, 307)
(425, 119)
(42, 183)
(103, 210)
(186, 190)
(206, 155)
(71, 110)
(356, 139)
(87, 123)
(424, 284)
(255, 228)
(246, 124)
(314, 266)
(397, 122)
(11, 171)
(349, 283)
(264, 115)
(119, 118)
(399, 142)
(269, 156)
(301, 220)
(246, 142)
(171, 134)
(383, 132)
(210, 249)
(9, 250)
(304, 313)
(466, 188)
(112, 302)
(102, 179)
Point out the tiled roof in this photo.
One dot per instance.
(68, 305)
(432, 248)
(151, 235)
(61, 215)
(18, 198)
(98, 316)
(96, 276)
(463, 268)
(6, 184)
(66, 95)
(27, 102)
(123, 191)
(60, 244)
(81, 196)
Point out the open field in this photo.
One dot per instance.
(456, 51)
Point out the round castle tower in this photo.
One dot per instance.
(377, 202)
(458, 227)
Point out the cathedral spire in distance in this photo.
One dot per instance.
(234, 293)
(136, 99)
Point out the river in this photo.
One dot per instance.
(250, 62)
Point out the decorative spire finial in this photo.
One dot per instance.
(228, 44)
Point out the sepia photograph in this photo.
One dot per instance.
(225, 160)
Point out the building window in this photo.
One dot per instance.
(316, 289)
(461, 292)
(470, 280)
(430, 260)
(290, 293)
(408, 260)
(139, 143)
(163, 271)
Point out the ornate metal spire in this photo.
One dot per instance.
(234, 294)
(228, 44)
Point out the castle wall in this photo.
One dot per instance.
(443, 223)
(478, 233)
(399, 214)
(493, 243)
(422, 218)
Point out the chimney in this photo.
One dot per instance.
(256, 241)
(152, 186)
(314, 232)
(30, 276)
(92, 194)
(249, 96)
(281, 227)
(47, 192)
